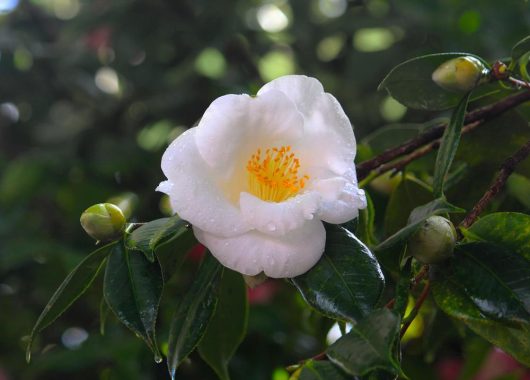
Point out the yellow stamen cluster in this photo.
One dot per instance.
(275, 177)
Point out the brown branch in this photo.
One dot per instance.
(481, 114)
(414, 312)
(498, 184)
(401, 164)
(518, 82)
(424, 271)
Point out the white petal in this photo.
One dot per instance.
(192, 190)
(235, 126)
(279, 218)
(341, 198)
(279, 257)
(327, 129)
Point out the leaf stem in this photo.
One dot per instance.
(479, 115)
(506, 169)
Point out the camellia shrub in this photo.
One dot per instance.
(268, 184)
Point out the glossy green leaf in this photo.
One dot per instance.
(518, 186)
(495, 279)
(73, 286)
(513, 339)
(408, 194)
(507, 229)
(417, 217)
(322, 370)
(228, 325)
(449, 145)
(410, 83)
(521, 48)
(368, 346)
(194, 312)
(347, 282)
(132, 289)
(147, 237)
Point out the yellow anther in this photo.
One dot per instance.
(275, 177)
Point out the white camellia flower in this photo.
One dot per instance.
(258, 175)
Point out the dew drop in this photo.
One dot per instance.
(158, 358)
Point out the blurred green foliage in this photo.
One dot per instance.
(91, 92)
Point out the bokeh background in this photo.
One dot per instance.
(91, 93)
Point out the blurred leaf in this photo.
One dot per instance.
(416, 218)
(495, 279)
(521, 48)
(408, 194)
(321, 370)
(73, 286)
(519, 187)
(132, 288)
(193, 313)
(347, 281)
(449, 145)
(510, 230)
(411, 84)
(365, 230)
(451, 298)
(368, 346)
(228, 326)
(147, 237)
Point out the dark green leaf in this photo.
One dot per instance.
(449, 146)
(495, 279)
(507, 229)
(368, 345)
(514, 339)
(228, 325)
(322, 370)
(416, 218)
(132, 289)
(347, 281)
(73, 286)
(147, 237)
(521, 48)
(408, 194)
(193, 313)
(411, 84)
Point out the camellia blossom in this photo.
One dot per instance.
(258, 175)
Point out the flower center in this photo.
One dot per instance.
(274, 178)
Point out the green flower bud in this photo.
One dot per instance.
(434, 241)
(103, 221)
(460, 74)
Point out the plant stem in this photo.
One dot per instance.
(410, 318)
(518, 82)
(497, 185)
(481, 114)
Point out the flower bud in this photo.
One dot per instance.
(103, 221)
(460, 74)
(434, 241)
